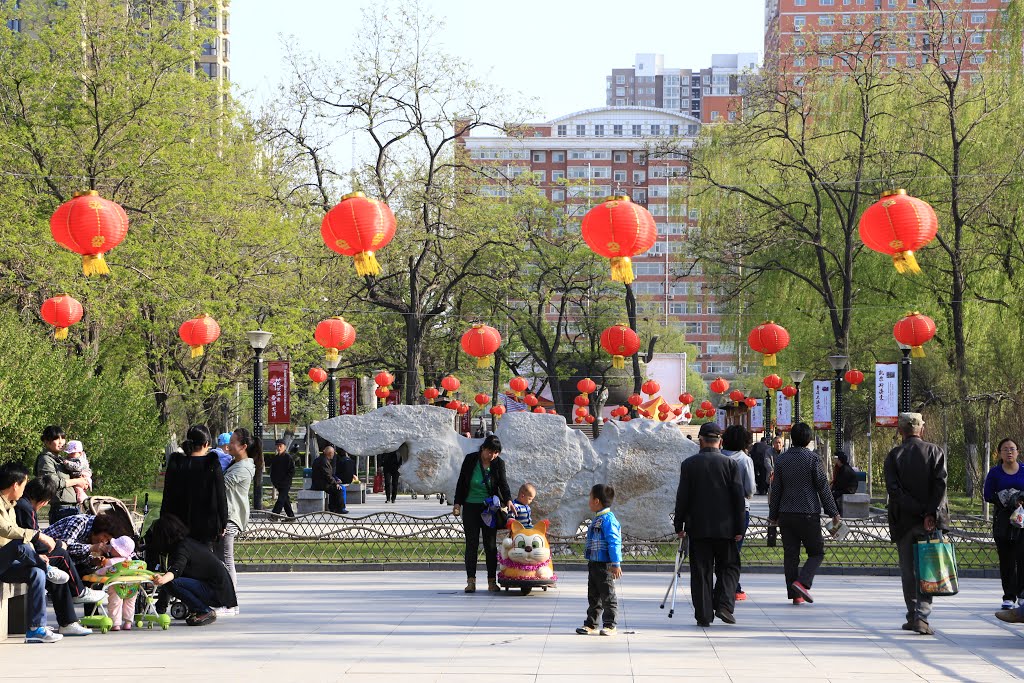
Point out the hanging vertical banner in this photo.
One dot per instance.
(783, 412)
(720, 417)
(279, 407)
(757, 417)
(394, 398)
(822, 404)
(887, 394)
(348, 391)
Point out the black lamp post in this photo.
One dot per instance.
(838, 362)
(768, 421)
(797, 376)
(258, 340)
(904, 402)
(332, 387)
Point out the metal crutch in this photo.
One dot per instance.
(673, 586)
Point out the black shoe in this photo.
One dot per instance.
(909, 626)
(725, 615)
(201, 619)
(343, 512)
(703, 624)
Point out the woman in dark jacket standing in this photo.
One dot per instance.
(482, 476)
(1007, 475)
(194, 488)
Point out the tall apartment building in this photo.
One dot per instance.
(798, 34)
(582, 158)
(709, 94)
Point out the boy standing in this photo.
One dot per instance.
(527, 492)
(604, 555)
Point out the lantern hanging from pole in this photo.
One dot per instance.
(898, 225)
(481, 341)
(854, 377)
(589, 419)
(518, 385)
(430, 393)
(91, 226)
(750, 402)
(768, 339)
(335, 335)
(482, 399)
(586, 386)
(736, 395)
(789, 391)
(620, 341)
(452, 405)
(357, 227)
(381, 392)
(199, 332)
(773, 382)
(686, 398)
(618, 229)
(384, 379)
(62, 312)
(451, 384)
(914, 330)
(582, 400)
(719, 386)
(582, 412)
(650, 387)
(318, 376)
(463, 408)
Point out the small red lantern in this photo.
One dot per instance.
(463, 408)
(538, 410)
(707, 405)
(582, 412)
(91, 226)
(452, 405)
(531, 400)
(581, 400)
(854, 377)
(750, 402)
(198, 332)
(650, 387)
(497, 411)
(789, 391)
(719, 386)
(619, 229)
(62, 312)
(625, 418)
(482, 399)
(381, 392)
(518, 385)
(768, 339)
(384, 379)
(481, 341)
(773, 382)
(430, 393)
(635, 400)
(663, 408)
(578, 420)
(677, 411)
(620, 341)
(914, 330)
(699, 413)
(357, 227)
(643, 413)
(552, 411)
(451, 384)
(686, 399)
(687, 416)
(318, 376)
(335, 335)
(736, 395)
(586, 386)
(589, 419)
(898, 225)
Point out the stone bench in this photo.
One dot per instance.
(307, 502)
(12, 609)
(856, 506)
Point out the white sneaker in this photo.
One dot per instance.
(75, 629)
(54, 575)
(42, 635)
(226, 611)
(89, 596)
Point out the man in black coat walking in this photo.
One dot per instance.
(710, 511)
(282, 469)
(389, 463)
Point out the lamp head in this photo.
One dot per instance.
(797, 376)
(838, 361)
(259, 339)
(332, 363)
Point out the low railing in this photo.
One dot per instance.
(388, 537)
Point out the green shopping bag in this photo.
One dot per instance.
(935, 566)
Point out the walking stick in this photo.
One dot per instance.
(673, 586)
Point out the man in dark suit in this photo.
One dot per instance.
(710, 511)
(760, 454)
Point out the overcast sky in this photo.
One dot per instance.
(556, 52)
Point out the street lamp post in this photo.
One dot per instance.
(797, 376)
(768, 413)
(904, 379)
(838, 362)
(332, 387)
(258, 340)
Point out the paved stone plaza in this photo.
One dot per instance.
(419, 626)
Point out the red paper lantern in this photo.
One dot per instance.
(335, 335)
(643, 412)
(687, 416)
(581, 400)
(518, 385)
(677, 411)
(898, 225)
(384, 378)
(463, 408)
(719, 386)
(430, 393)
(914, 330)
(625, 418)
(620, 341)
(635, 400)
(452, 405)
(497, 411)
(650, 387)
(578, 420)
(699, 413)
(663, 408)
(750, 402)
(318, 376)
(539, 410)
(707, 405)
(768, 339)
(686, 399)
(357, 227)
(381, 392)
(552, 411)
(531, 400)
(789, 391)
(619, 229)
(91, 226)
(773, 382)
(736, 395)
(582, 412)
(198, 332)
(62, 312)
(451, 384)
(481, 341)
(854, 377)
(586, 386)
(482, 399)
(589, 419)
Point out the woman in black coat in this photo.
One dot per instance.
(194, 488)
(482, 476)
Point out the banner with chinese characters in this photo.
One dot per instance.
(757, 417)
(783, 412)
(394, 398)
(822, 404)
(887, 394)
(348, 392)
(720, 418)
(279, 406)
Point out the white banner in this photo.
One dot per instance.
(757, 417)
(720, 418)
(887, 393)
(822, 404)
(783, 412)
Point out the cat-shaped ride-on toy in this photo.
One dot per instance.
(525, 558)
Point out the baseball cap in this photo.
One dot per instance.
(224, 439)
(911, 420)
(280, 442)
(710, 430)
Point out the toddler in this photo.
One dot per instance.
(120, 599)
(604, 554)
(76, 465)
(527, 492)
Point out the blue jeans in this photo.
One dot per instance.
(195, 594)
(19, 563)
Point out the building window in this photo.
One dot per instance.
(620, 79)
(617, 130)
(824, 3)
(540, 176)
(977, 59)
(826, 20)
(640, 158)
(799, 61)
(619, 176)
(619, 157)
(977, 18)
(656, 268)
(636, 130)
(732, 116)
(558, 157)
(639, 177)
(891, 60)
(620, 102)
(581, 130)
(561, 131)
(640, 196)
(825, 61)
(673, 130)
(977, 38)
(210, 47)
(209, 68)
(621, 92)
(539, 157)
(714, 115)
(655, 129)
(556, 176)
(598, 130)
(799, 21)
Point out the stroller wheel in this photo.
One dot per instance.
(179, 611)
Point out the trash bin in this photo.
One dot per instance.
(307, 478)
(862, 482)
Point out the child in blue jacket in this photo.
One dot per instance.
(604, 555)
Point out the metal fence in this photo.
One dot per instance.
(388, 537)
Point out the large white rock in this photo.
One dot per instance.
(640, 459)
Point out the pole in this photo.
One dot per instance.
(257, 425)
(768, 421)
(871, 470)
(332, 394)
(667, 231)
(988, 447)
(796, 402)
(838, 417)
(905, 381)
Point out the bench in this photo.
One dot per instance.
(856, 506)
(307, 502)
(12, 609)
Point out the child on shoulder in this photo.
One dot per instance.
(75, 465)
(604, 557)
(527, 492)
(120, 599)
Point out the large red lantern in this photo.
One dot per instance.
(768, 339)
(91, 226)
(198, 332)
(430, 393)
(773, 382)
(451, 384)
(62, 312)
(358, 226)
(914, 330)
(452, 405)
(335, 335)
(586, 386)
(384, 379)
(531, 400)
(481, 342)
(498, 411)
(854, 377)
(618, 229)
(482, 399)
(620, 341)
(518, 385)
(686, 398)
(789, 391)
(318, 376)
(898, 225)
(719, 386)
(650, 387)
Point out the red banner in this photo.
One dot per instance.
(348, 390)
(279, 406)
(394, 398)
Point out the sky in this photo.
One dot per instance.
(554, 53)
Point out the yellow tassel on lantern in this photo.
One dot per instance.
(917, 351)
(94, 264)
(197, 351)
(485, 361)
(853, 387)
(905, 262)
(618, 362)
(332, 354)
(60, 333)
(622, 270)
(769, 359)
(366, 264)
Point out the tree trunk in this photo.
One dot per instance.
(631, 315)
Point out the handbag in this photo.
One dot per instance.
(1017, 517)
(494, 515)
(935, 566)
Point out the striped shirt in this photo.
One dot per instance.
(523, 515)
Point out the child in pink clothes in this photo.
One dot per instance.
(76, 465)
(120, 608)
